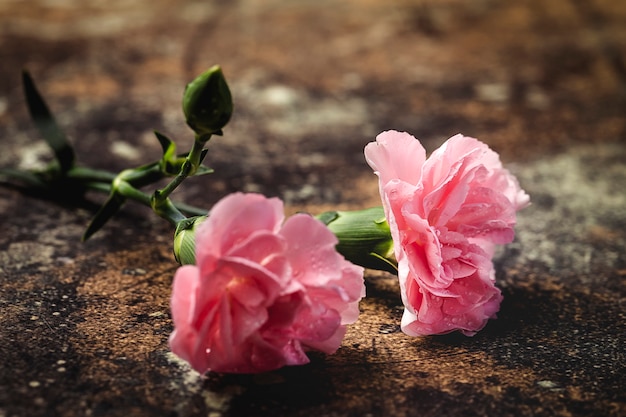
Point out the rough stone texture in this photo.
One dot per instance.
(84, 326)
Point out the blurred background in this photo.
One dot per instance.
(314, 81)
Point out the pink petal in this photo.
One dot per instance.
(265, 249)
(184, 290)
(233, 219)
(315, 322)
(314, 260)
(329, 345)
(183, 339)
(250, 283)
(396, 155)
(444, 192)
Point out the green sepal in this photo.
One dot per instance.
(203, 169)
(46, 124)
(364, 237)
(185, 239)
(327, 217)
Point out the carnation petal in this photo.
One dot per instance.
(233, 219)
(396, 155)
(329, 345)
(186, 283)
(265, 249)
(183, 339)
(250, 283)
(316, 323)
(314, 260)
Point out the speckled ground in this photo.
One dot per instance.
(84, 326)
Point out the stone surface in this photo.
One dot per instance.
(84, 326)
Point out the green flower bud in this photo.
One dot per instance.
(207, 103)
(185, 240)
(364, 237)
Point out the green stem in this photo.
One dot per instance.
(98, 180)
(168, 210)
(128, 183)
(90, 175)
(143, 175)
(160, 203)
(128, 191)
(189, 167)
(145, 199)
(98, 186)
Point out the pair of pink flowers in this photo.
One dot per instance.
(264, 290)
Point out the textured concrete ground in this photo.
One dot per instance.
(84, 326)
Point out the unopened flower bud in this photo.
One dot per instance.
(207, 102)
(185, 240)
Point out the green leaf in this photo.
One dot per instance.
(166, 143)
(47, 126)
(385, 264)
(327, 217)
(108, 210)
(28, 178)
(190, 210)
(169, 163)
(203, 170)
(168, 146)
(203, 155)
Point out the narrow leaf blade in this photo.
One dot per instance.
(167, 144)
(108, 210)
(47, 126)
(203, 170)
(29, 178)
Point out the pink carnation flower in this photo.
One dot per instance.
(446, 213)
(262, 291)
